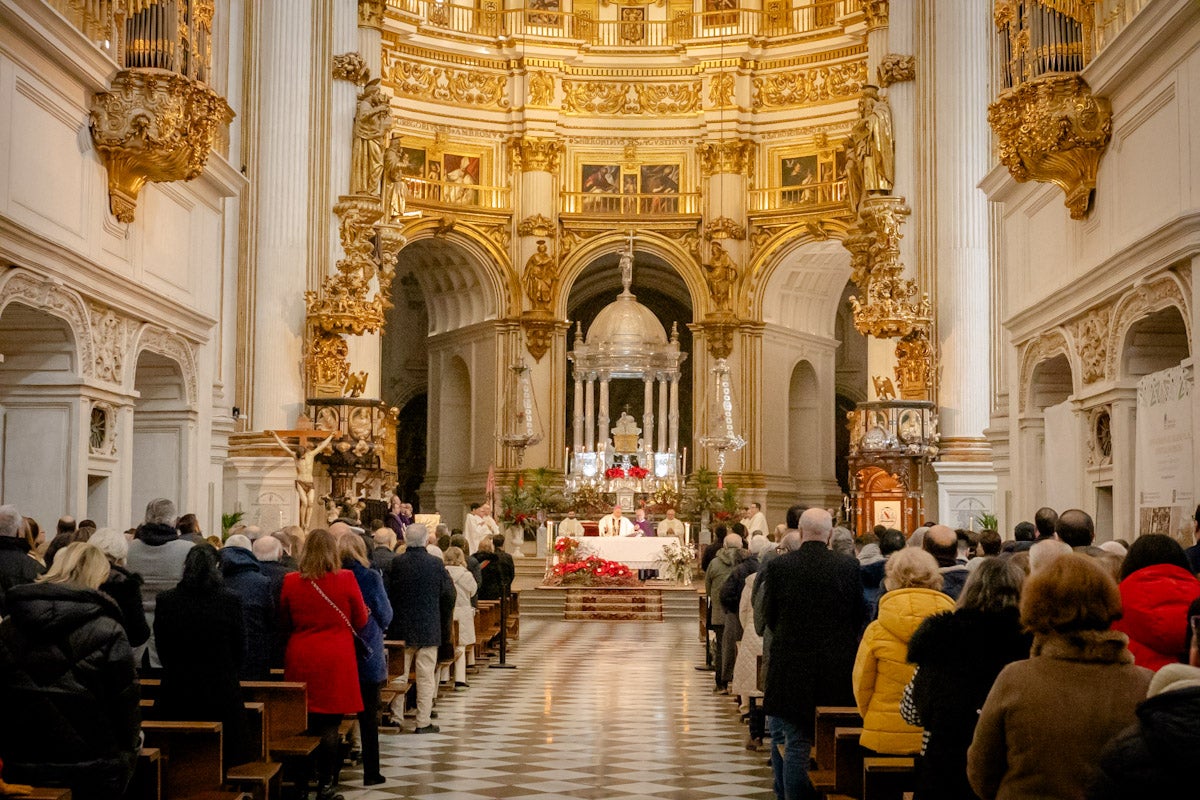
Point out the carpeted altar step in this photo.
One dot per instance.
(634, 604)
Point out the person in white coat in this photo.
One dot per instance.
(570, 526)
(479, 524)
(757, 521)
(464, 614)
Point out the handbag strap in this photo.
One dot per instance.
(335, 607)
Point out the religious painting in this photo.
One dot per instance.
(720, 12)
(661, 181)
(462, 172)
(629, 188)
(603, 180)
(412, 162)
(633, 25)
(798, 171)
(433, 180)
(543, 12)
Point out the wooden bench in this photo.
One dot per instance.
(514, 617)
(147, 781)
(191, 758)
(888, 777)
(848, 761)
(288, 742)
(48, 793)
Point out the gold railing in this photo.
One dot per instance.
(610, 204)
(489, 19)
(806, 195)
(455, 193)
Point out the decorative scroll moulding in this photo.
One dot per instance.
(153, 125)
(1053, 130)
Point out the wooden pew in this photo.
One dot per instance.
(888, 778)
(191, 756)
(286, 705)
(147, 782)
(848, 757)
(47, 793)
(397, 683)
(514, 617)
(703, 618)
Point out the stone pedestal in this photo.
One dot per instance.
(264, 489)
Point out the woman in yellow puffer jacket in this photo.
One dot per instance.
(881, 669)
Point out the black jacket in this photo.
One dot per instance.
(68, 690)
(958, 656)
(125, 588)
(813, 606)
(1153, 757)
(200, 638)
(731, 590)
(16, 566)
(244, 577)
(418, 587)
(497, 571)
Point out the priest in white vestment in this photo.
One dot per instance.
(615, 525)
(757, 521)
(570, 526)
(669, 526)
(478, 525)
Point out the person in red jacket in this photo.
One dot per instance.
(322, 607)
(1157, 587)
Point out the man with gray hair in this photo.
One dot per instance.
(16, 567)
(422, 594)
(813, 606)
(719, 570)
(157, 554)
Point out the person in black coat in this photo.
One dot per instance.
(813, 607)
(958, 656)
(16, 566)
(68, 687)
(244, 577)
(1153, 758)
(200, 634)
(491, 573)
(123, 586)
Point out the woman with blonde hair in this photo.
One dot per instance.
(1046, 719)
(881, 669)
(464, 614)
(372, 662)
(322, 608)
(67, 676)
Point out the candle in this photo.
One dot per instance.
(687, 533)
(566, 459)
(683, 469)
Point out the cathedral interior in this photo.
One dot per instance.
(915, 259)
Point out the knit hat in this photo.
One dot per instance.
(1173, 677)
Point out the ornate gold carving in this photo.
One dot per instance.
(721, 273)
(541, 89)
(355, 384)
(370, 13)
(875, 12)
(718, 338)
(1091, 338)
(537, 225)
(731, 156)
(892, 307)
(884, 389)
(870, 149)
(153, 126)
(537, 155)
(914, 366)
(342, 306)
(658, 99)
(326, 364)
(874, 241)
(720, 90)
(539, 329)
(1052, 129)
(724, 228)
(372, 120)
(572, 237)
(446, 224)
(500, 234)
(350, 67)
(540, 277)
(792, 89)
(895, 68)
(445, 85)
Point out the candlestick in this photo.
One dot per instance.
(687, 534)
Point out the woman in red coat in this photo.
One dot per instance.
(1157, 587)
(320, 605)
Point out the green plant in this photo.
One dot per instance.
(707, 496)
(989, 522)
(228, 521)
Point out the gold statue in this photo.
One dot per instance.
(372, 119)
(395, 186)
(871, 154)
(355, 384)
(721, 274)
(884, 389)
(304, 474)
(540, 276)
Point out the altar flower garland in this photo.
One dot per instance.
(590, 571)
(638, 472)
(613, 473)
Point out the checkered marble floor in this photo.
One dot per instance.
(594, 710)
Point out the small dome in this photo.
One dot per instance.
(626, 323)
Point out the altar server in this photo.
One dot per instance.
(616, 525)
(670, 526)
(570, 526)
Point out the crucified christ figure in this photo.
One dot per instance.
(304, 474)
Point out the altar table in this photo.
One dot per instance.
(635, 552)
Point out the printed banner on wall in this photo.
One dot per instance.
(1165, 493)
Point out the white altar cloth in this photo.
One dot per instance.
(635, 552)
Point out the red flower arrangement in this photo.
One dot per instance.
(592, 571)
(612, 473)
(638, 472)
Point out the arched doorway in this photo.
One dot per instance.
(803, 426)
(411, 448)
(1050, 435)
(39, 414)
(162, 428)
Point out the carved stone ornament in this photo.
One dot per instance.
(1049, 344)
(571, 237)
(446, 85)
(895, 68)
(729, 157)
(175, 347)
(720, 90)
(895, 307)
(351, 67)
(1141, 301)
(874, 241)
(541, 89)
(875, 12)
(326, 365)
(721, 274)
(804, 87)
(537, 155)
(1100, 436)
(914, 365)
(604, 97)
(370, 13)
(1091, 340)
(718, 338)
(102, 425)
(1053, 130)
(539, 329)
(153, 126)
(111, 333)
(724, 228)
(537, 225)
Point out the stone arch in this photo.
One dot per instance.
(775, 252)
(1135, 305)
(799, 286)
(670, 251)
(21, 286)
(1050, 344)
(469, 260)
(171, 346)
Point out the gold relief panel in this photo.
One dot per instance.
(537, 155)
(350, 67)
(796, 88)
(446, 85)
(537, 225)
(605, 98)
(720, 90)
(541, 89)
(735, 156)
(370, 13)
(724, 228)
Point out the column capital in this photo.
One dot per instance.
(370, 13)
(532, 154)
(728, 156)
(876, 13)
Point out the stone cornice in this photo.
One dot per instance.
(58, 40)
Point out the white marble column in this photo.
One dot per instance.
(281, 186)
(673, 419)
(648, 414)
(662, 414)
(1124, 456)
(590, 412)
(577, 417)
(602, 418)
